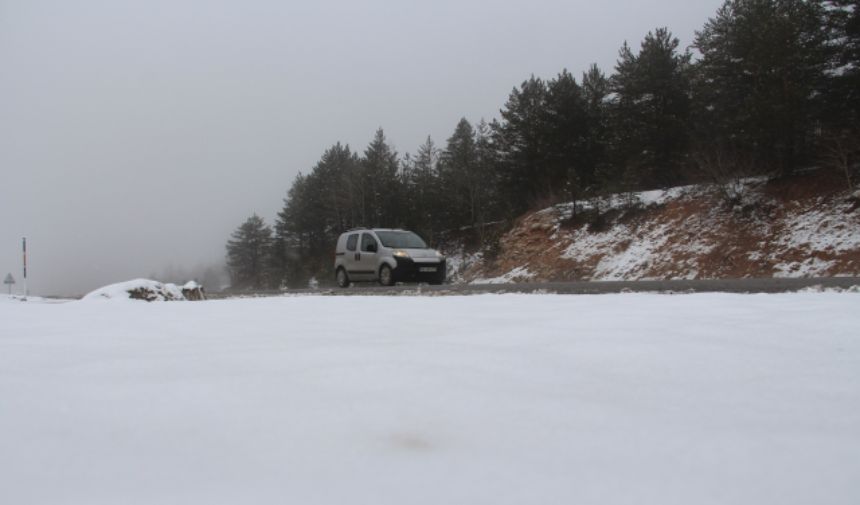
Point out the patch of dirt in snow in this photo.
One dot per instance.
(518, 274)
(803, 227)
(411, 442)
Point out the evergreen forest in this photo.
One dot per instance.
(768, 87)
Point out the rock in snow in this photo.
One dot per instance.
(138, 289)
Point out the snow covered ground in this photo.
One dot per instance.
(490, 399)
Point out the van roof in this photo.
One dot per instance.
(374, 229)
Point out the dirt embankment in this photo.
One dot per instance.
(807, 226)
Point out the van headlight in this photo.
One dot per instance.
(440, 255)
(399, 253)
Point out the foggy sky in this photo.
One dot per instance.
(136, 135)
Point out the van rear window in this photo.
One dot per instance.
(351, 242)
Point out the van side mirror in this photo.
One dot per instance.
(371, 248)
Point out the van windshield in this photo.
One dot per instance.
(401, 240)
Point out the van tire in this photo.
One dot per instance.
(386, 276)
(341, 278)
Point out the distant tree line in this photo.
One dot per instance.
(768, 87)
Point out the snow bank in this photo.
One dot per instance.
(191, 285)
(138, 289)
(493, 399)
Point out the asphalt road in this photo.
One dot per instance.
(759, 285)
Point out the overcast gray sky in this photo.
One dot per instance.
(136, 135)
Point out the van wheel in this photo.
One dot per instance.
(385, 276)
(341, 278)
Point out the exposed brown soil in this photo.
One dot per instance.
(804, 226)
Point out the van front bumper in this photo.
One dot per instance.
(408, 270)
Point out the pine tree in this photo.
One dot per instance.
(248, 253)
(423, 192)
(595, 90)
(841, 86)
(568, 131)
(486, 181)
(318, 207)
(381, 188)
(337, 210)
(457, 172)
(520, 137)
(651, 111)
(341, 192)
(757, 79)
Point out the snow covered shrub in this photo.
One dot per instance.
(840, 152)
(728, 170)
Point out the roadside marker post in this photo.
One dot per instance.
(24, 250)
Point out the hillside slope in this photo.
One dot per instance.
(803, 227)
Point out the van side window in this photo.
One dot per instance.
(351, 242)
(367, 240)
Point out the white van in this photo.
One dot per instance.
(387, 256)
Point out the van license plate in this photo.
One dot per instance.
(427, 269)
